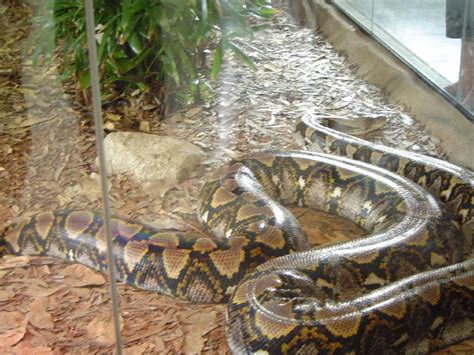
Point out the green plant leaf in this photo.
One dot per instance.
(135, 43)
(106, 37)
(242, 56)
(139, 5)
(84, 79)
(217, 62)
(260, 27)
(141, 86)
(266, 12)
(126, 14)
(170, 66)
(186, 62)
(143, 41)
(131, 64)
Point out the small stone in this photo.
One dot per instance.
(145, 126)
(109, 126)
(435, 140)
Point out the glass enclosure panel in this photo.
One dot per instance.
(48, 174)
(214, 92)
(460, 25)
(361, 10)
(431, 36)
(206, 178)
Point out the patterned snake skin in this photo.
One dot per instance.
(407, 287)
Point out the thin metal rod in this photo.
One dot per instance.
(94, 75)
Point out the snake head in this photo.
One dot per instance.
(294, 288)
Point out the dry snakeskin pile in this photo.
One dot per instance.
(406, 287)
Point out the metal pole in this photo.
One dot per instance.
(94, 75)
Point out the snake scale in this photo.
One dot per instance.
(407, 287)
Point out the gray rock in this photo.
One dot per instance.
(158, 163)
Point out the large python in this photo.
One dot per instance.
(407, 287)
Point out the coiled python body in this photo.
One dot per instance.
(406, 287)
(397, 292)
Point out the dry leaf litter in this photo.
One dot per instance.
(47, 153)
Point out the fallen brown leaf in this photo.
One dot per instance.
(138, 349)
(12, 328)
(196, 324)
(196, 318)
(101, 329)
(79, 276)
(38, 290)
(25, 348)
(11, 337)
(38, 316)
(11, 320)
(6, 295)
(14, 262)
(193, 341)
(152, 330)
(159, 344)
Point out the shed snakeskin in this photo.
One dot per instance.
(407, 287)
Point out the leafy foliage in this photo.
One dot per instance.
(142, 42)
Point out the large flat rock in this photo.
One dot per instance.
(158, 163)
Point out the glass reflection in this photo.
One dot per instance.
(434, 37)
(460, 25)
(47, 160)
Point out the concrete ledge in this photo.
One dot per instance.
(401, 85)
